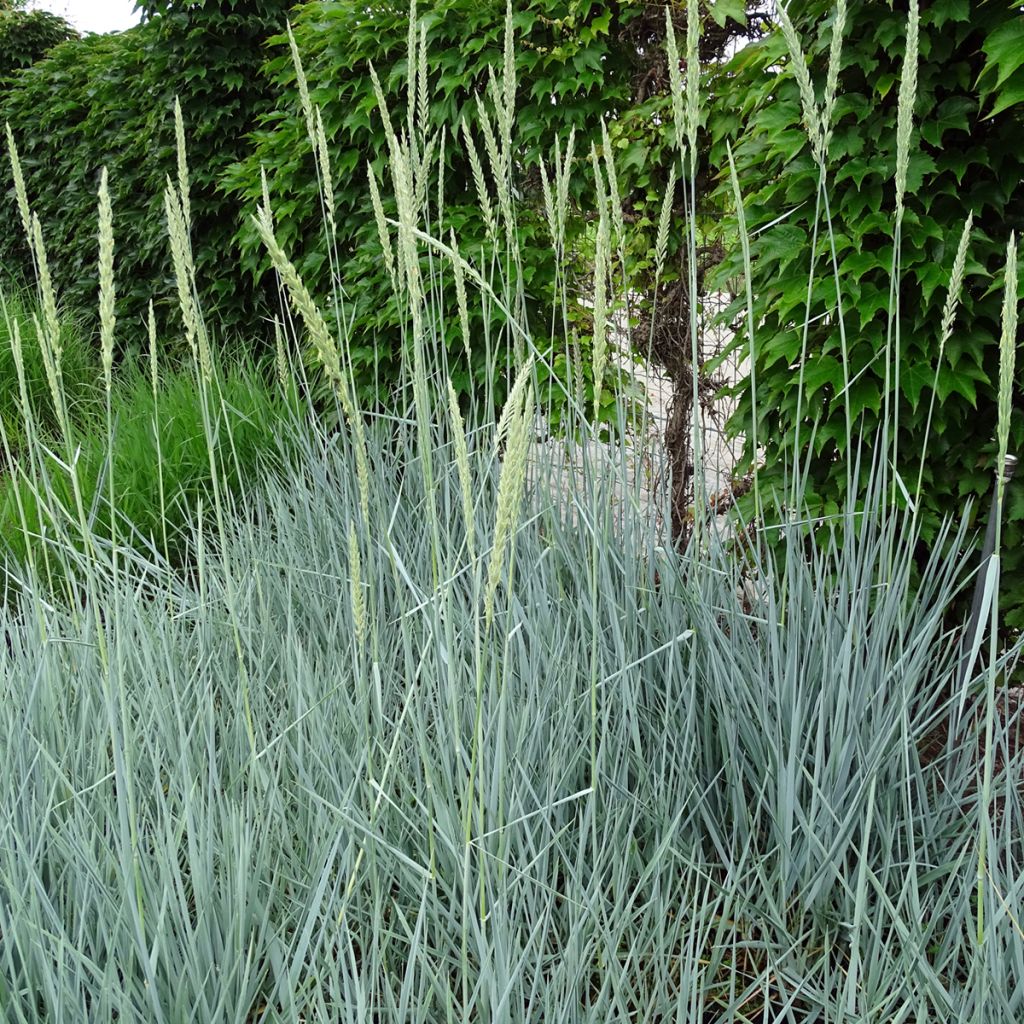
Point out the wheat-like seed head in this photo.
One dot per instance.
(179, 256)
(613, 186)
(106, 273)
(508, 77)
(49, 296)
(183, 183)
(675, 79)
(408, 251)
(382, 227)
(410, 49)
(956, 281)
(692, 78)
(303, 302)
(389, 131)
(576, 356)
(832, 78)
(356, 586)
(19, 184)
(324, 163)
(265, 189)
(905, 107)
(510, 490)
(54, 379)
(497, 160)
(812, 121)
(496, 93)
(303, 86)
(480, 182)
(423, 177)
(48, 332)
(326, 349)
(664, 222)
(512, 403)
(1007, 356)
(462, 465)
(423, 104)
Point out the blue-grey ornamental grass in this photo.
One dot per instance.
(429, 734)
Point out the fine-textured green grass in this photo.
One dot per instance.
(80, 371)
(157, 462)
(430, 734)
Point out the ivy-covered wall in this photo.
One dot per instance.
(965, 158)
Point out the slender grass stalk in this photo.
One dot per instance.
(154, 378)
(601, 260)
(949, 310)
(464, 471)
(904, 136)
(1007, 359)
(325, 348)
(179, 234)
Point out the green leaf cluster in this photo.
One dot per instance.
(965, 158)
(108, 101)
(25, 37)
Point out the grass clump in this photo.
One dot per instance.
(429, 823)
(20, 333)
(160, 472)
(433, 733)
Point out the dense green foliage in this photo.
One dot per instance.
(432, 730)
(108, 101)
(25, 37)
(965, 158)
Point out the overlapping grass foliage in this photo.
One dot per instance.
(76, 438)
(158, 464)
(79, 364)
(431, 735)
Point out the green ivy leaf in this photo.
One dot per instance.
(781, 244)
(1004, 48)
(950, 115)
(951, 382)
(723, 10)
(1009, 95)
(821, 370)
